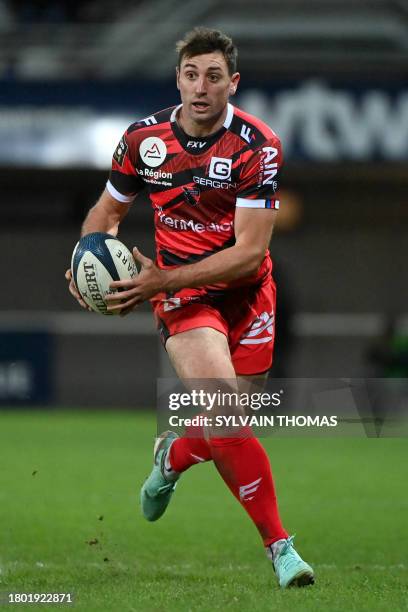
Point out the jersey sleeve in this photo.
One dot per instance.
(124, 182)
(258, 184)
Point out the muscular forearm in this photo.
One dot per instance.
(97, 221)
(239, 261)
(227, 265)
(105, 216)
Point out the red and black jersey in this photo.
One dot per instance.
(195, 183)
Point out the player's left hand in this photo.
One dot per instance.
(142, 287)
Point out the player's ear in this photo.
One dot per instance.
(234, 83)
(177, 77)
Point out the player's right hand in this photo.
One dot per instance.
(74, 291)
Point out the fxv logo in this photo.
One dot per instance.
(149, 120)
(196, 144)
(171, 304)
(246, 133)
(248, 489)
(268, 166)
(261, 330)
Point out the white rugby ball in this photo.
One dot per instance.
(97, 260)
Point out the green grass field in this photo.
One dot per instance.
(70, 521)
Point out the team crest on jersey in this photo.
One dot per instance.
(120, 151)
(153, 151)
(191, 195)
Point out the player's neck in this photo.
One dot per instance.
(192, 128)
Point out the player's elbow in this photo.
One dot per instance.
(252, 261)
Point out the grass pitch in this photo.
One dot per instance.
(70, 521)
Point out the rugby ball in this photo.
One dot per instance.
(97, 260)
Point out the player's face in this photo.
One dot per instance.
(205, 86)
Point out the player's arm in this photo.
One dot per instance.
(105, 216)
(253, 231)
(114, 202)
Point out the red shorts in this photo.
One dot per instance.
(245, 315)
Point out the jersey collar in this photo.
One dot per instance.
(196, 144)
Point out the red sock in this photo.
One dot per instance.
(244, 466)
(189, 450)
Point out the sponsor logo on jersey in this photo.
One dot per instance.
(153, 151)
(220, 168)
(196, 144)
(193, 226)
(206, 182)
(120, 151)
(156, 177)
(268, 168)
(191, 195)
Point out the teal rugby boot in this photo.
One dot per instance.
(290, 568)
(157, 489)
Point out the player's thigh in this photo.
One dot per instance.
(202, 360)
(202, 352)
(252, 337)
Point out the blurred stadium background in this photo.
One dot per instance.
(330, 77)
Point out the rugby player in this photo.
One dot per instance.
(211, 171)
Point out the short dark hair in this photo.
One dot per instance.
(204, 40)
